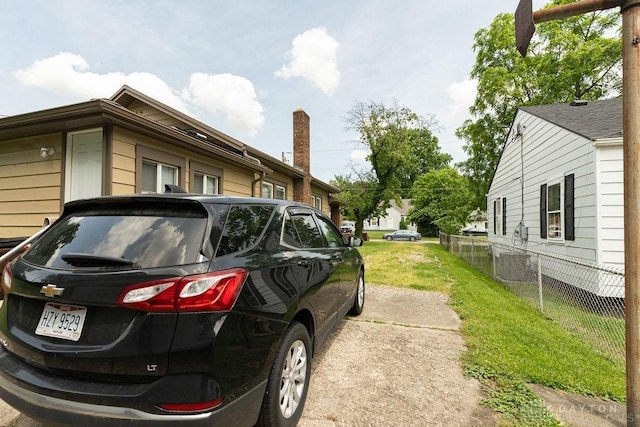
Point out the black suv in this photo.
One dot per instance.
(174, 308)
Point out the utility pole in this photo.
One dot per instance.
(630, 10)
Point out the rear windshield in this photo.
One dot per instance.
(140, 238)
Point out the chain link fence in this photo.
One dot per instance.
(585, 299)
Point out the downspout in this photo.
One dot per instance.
(254, 182)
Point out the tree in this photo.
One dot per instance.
(358, 200)
(576, 58)
(401, 147)
(441, 201)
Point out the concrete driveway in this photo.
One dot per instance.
(396, 364)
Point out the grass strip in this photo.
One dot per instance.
(509, 342)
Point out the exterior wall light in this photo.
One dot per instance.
(46, 152)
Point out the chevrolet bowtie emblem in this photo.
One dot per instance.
(51, 290)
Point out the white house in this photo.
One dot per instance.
(558, 188)
(391, 221)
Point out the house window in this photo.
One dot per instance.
(500, 216)
(273, 191)
(554, 211)
(317, 202)
(557, 221)
(156, 175)
(205, 178)
(155, 168)
(374, 221)
(205, 184)
(267, 190)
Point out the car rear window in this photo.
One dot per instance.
(147, 237)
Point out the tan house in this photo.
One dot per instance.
(132, 143)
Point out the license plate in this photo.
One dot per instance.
(61, 321)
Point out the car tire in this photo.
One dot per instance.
(288, 381)
(413, 239)
(389, 238)
(358, 302)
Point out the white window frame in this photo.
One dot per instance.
(317, 202)
(498, 216)
(269, 187)
(280, 190)
(553, 234)
(159, 182)
(203, 177)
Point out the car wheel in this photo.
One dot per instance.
(389, 238)
(413, 239)
(358, 302)
(289, 380)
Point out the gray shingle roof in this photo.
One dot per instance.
(590, 119)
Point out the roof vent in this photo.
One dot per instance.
(578, 103)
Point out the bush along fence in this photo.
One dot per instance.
(586, 299)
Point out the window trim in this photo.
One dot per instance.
(567, 208)
(275, 185)
(268, 184)
(196, 167)
(284, 191)
(555, 181)
(500, 216)
(317, 201)
(158, 156)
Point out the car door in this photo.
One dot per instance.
(314, 267)
(342, 261)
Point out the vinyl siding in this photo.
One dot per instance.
(123, 162)
(610, 189)
(236, 181)
(29, 185)
(550, 152)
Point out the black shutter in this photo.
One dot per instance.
(495, 219)
(569, 219)
(504, 216)
(543, 211)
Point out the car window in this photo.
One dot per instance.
(333, 237)
(290, 234)
(147, 237)
(308, 232)
(243, 228)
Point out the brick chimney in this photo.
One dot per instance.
(301, 157)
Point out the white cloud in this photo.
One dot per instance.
(462, 94)
(233, 95)
(68, 75)
(313, 56)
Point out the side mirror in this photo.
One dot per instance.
(355, 241)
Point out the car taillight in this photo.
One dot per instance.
(215, 291)
(7, 279)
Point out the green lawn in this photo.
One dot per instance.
(509, 342)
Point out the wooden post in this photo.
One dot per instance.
(631, 156)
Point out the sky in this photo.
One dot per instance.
(243, 67)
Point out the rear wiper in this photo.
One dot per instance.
(90, 260)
